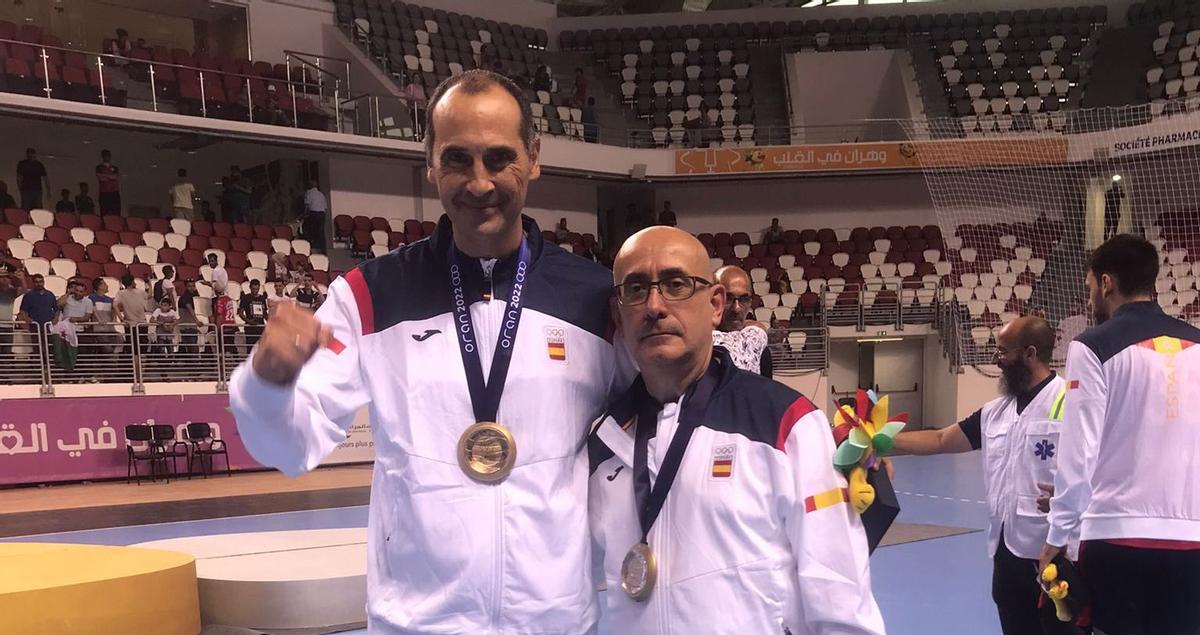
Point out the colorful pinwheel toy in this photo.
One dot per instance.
(864, 434)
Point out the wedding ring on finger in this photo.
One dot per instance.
(297, 340)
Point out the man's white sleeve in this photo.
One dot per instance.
(1083, 424)
(293, 428)
(827, 537)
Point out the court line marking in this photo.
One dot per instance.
(945, 498)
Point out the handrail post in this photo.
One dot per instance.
(203, 97)
(337, 104)
(43, 359)
(46, 71)
(295, 111)
(100, 76)
(136, 358)
(249, 102)
(154, 91)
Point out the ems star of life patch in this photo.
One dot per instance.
(556, 343)
(722, 461)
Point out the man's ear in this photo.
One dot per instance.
(535, 153)
(717, 299)
(1108, 284)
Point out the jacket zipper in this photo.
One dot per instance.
(498, 519)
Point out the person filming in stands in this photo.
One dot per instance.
(1128, 469)
(480, 355)
(714, 498)
(1018, 433)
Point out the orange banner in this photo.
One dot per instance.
(848, 157)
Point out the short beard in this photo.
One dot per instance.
(1015, 378)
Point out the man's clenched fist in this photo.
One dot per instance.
(292, 337)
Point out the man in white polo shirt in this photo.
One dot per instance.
(316, 209)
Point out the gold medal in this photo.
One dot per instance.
(487, 451)
(638, 572)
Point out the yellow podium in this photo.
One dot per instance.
(47, 589)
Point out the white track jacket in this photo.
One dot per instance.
(449, 554)
(755, 535)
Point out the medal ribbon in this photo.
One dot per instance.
(650, 500)
(485, 397)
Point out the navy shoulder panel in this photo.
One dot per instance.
(1133, 323)
(571, 289)
(753, 406)
(406, 285)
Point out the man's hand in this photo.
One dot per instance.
(1043, 499)
(291, 338)
(887, 466)
(1049, 553)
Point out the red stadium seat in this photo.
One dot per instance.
(131, 238)
(321, 277)
(379, 223)
(360, 241)
(91, 221)
(413, 226)
(263, 231)
(168, 255)
(343, 226)
(137, 224)
(115, 269)
(722, 239)
(220, 242)
(187, 272)
(758, 251)
(17, 217)
(808, 235)
(7, 232)
(236, 275)
(89, 270)
(428, 227)
(46, 249)
(66, 220)
(236, 259)
(114, 223)
(549, 236)
(196, 241)
(791, 236)
(740, 238)
(106, 237)
(362, 223)
(241, 244)
(395, 239)
(283, 231)
(140, 270)
(58, 235)
(298, 262)
(260, 244)
(97, 252)
(160, 225)
(74, 251)
(201, 228)
(223, 229)
(242, 230)
(191, 258)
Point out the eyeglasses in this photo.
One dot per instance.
(741, 299)
(674, 289)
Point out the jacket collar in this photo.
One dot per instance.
(443, 237)
(1142, 308)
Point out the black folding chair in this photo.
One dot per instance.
(141, 433)
(169, 447)
(204, 446)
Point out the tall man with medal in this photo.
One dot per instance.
(713, 493)
(478, 519)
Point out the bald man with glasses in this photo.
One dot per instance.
(713, 499)
(746, 340)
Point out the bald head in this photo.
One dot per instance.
(738, 298)
(666, 306)
(1024, 348)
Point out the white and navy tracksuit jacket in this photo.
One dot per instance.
(449, 554)
(1129, 452)
(755, 535)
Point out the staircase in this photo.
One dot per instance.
(929, 78)
(771, 118)
(1124, 54)
(614, 120)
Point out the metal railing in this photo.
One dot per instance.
(879, 303)
(388, 117)
(797, 350)
(23, 353)
(870, 130)
(121, 81)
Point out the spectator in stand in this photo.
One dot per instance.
(108, 179)
(541, 78)
(278, 270)
(165, 287)
(76, 311)
(240, 191)
(83, 202)
(225, 199)
(580, 96)
(220, 277)
(104, 333)
(774, 233)
(414, 90)
(130, 309)
(315, 210)
(189, 330)
(252, 308)
(38, 306)
(273, 113)
(746, 340)
(277, 293)
(121, 47)
(667, 215)
(206, 212)
(6, 199)
(222, 318)
(307, 294)
(591, 128)
(12, 285)
(561, 233)
(31, 177)
(182, 195)
(65, 204)
(165, 318)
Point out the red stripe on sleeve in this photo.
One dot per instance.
(362, 297)
(795, 412)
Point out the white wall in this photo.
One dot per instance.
(814, 385)
(800, 202)
(296, 25)
(974, 390)
(940, 389)
(877, 92)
